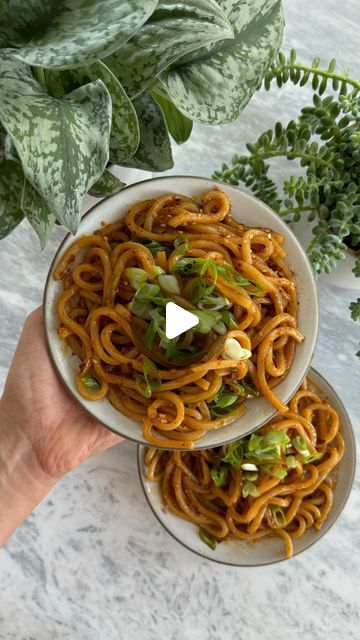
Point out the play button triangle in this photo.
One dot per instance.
(178, 320)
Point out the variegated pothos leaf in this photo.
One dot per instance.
(2, 142)
(106, 185)
(62, 143)
(154, 150)
(37, 212)
(174, 29)
(180, 127)
(9, 149)
(11, 182)
(213, 84)
(70, 33)
(125, 136)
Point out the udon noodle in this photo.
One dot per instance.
(116, 284)
(275, 482)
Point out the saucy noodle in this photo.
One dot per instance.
(116, 284)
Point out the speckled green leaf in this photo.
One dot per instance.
(2, 141)
(154, 150)
(174, 29)
(9, 149)
(62, 143)
(179, 126)
(107, 185)
(11, 182)
(214, 84)
(124, 138)
(37, 212)
(70, 33)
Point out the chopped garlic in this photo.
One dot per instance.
(234, 351)
(249, 466)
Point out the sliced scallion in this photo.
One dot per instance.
(207, 320)
(90, 383)
(235, 453)
(208, 539)
(136, 276)
(157, 270)
(279, 516)
(229, 319)
(290, 462)
(181, 245)
(169, 283)
(220, 476)
(275, 471)
(249, 489)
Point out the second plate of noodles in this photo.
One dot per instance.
(106, 298)
(264, 497)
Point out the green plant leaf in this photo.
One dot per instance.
(9, 149)
(106, 185)
(154, 150)
(214, 84)
(70, 33)
(180, 127)
(11, 182)
(2, 141)
(124, 137)
(184, 25)
(37, 212)
(62, 143)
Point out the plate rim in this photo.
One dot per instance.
(133, 186)
(321, 533)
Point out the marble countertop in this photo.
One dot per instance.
(92, 562)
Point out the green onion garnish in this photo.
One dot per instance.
(279, 516)
(90, 383)
(229, 319)
(149, 380)
(150, 335)
(207, 539)
(275, 471)
(299, 443)
(251, 475)
(267, 447)
(220, 476)
(181, 245)
(235, 453)
(207, 320)
(290, 462)
(213, 302)
(222, 400)
(249, 390)
(136, 276)
(193, 266)
(153, 245)
(151, 374)
(179, 352)
(142, 387)
(157, 270)
(148, 292)
(140, 309)
(249, 489)
(169, 283)
(220, 328)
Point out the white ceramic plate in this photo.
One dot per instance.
(268, 550)
(246, 209)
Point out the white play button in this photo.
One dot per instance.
(178, 320)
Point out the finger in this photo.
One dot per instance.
(105, 440)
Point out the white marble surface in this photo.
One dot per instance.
(92, 562)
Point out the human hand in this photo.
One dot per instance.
(44, 433)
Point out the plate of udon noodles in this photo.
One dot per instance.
(264, 497)
(214, 251)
